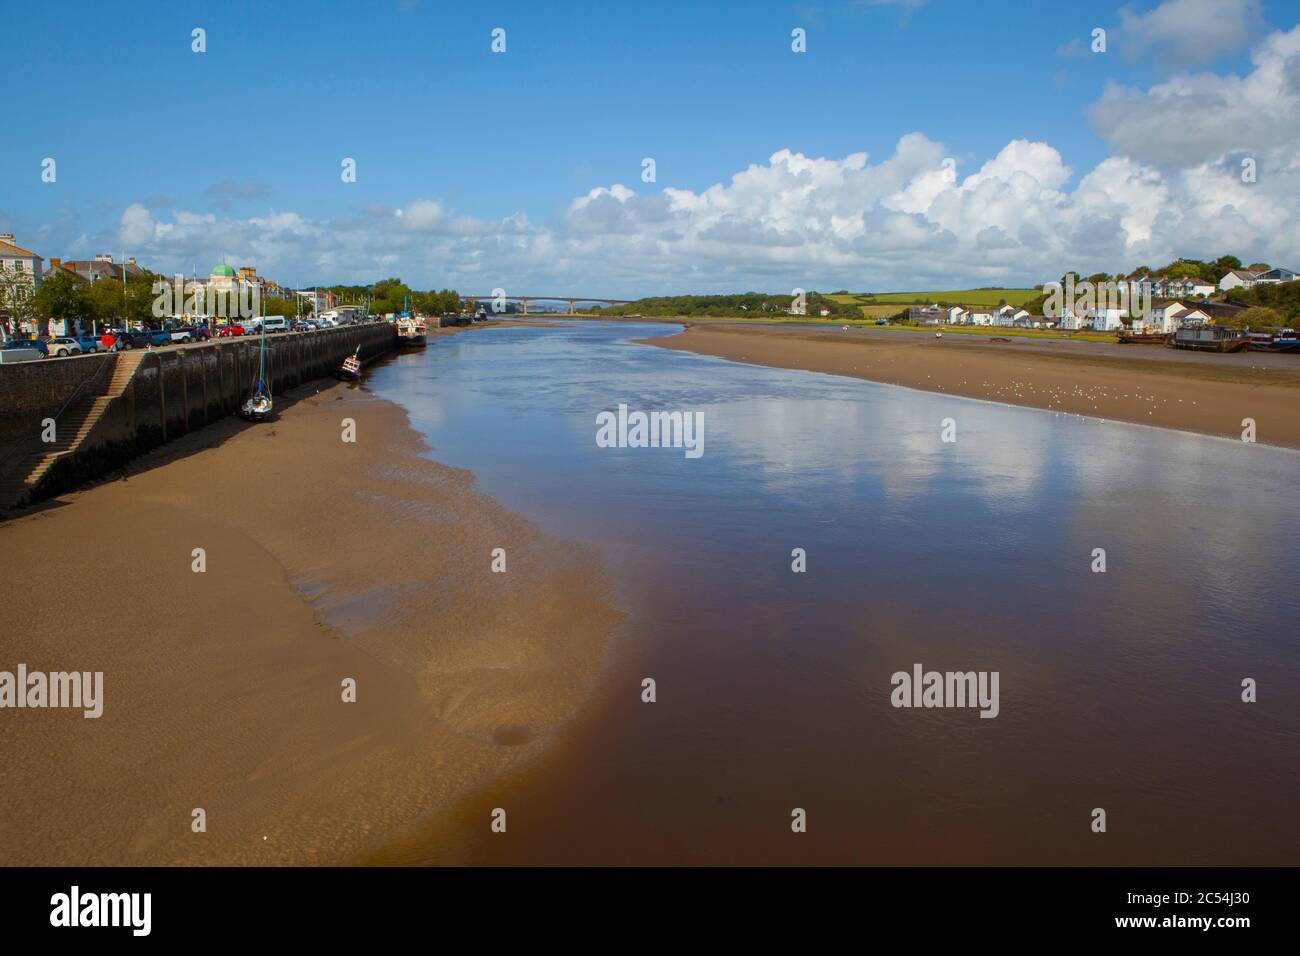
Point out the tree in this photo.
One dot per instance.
(1255, 317)
(1259, 267)
(1227, 264)
(60, 299)
(15, 298)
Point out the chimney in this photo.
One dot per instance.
(55, 263)
(7, 237)
(130, 260)
(104, 257)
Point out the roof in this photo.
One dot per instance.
(62, 267)
(1216, 308)
(223, 270)
(1241, 273)
(9, 249)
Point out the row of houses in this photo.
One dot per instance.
(223, 280)
(1005, 316)
(1158, 303)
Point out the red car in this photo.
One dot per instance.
(229, 330)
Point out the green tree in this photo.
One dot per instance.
(1257, 317)
(16, 294)
(60, 298)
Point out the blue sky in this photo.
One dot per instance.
(215, 146)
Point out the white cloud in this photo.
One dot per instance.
(1197, 117)
(1183, 33)
(1171, 187)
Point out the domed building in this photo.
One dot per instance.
(222, 278)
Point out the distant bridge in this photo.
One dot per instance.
(572, 300)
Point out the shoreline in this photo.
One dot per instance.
(325, 560)
(1165, 390)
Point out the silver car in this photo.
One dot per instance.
(63, 346)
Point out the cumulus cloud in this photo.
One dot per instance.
(1171, 187)
(1197, 117)
(1186, 33)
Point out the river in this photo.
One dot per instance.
(1118, 690)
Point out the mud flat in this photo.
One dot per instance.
(223, 689)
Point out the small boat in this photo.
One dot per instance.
(1148, 338)
(1209, 338)
(258, 406)
(350, 370)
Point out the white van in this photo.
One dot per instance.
(275, 323)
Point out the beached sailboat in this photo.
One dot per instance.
(350, 370)
(259, 403)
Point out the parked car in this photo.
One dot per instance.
(228, 331)
(63, 345)
(90, 343)
(144, 339)
(301, 326)
(275, 323)
(38, 344)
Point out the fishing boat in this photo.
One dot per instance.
(350, 370)
(1209, 338)
(258, 406)
(411, 331)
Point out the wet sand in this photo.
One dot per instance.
(326, 560)
(1210, 394)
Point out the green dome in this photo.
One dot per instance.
(223, 270)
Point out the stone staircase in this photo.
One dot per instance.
(74, 423)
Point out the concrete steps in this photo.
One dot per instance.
(71, 428)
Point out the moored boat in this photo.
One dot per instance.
(1152, 338)
(350, 369)
(258, 405)
(1209, 338)
(1284, 340)
(411, 331)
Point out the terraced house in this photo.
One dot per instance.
(14, 258)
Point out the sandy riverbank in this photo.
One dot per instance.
(325, 560)
(1210, 394)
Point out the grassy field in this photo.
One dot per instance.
(966, 297)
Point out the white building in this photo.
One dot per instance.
(1167, 315)
(1106, 319)
(14, 258)
(1237, 279)
(1274, 276)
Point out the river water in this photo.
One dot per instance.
(1119, 691)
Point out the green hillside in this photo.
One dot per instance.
(966, 297)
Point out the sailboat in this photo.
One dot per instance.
(259, 403)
